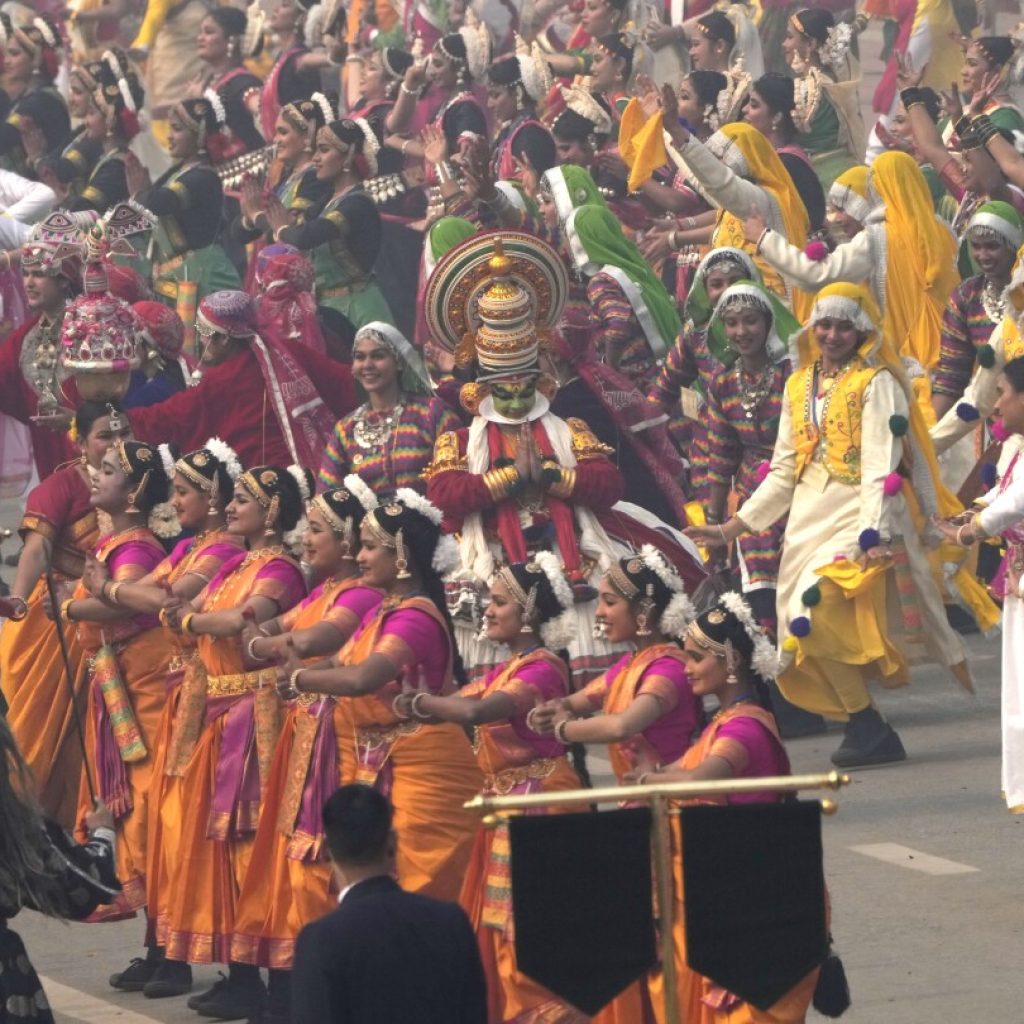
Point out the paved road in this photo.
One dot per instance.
(926, 919)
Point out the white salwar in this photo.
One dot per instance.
(1004, 508)
(826, 519)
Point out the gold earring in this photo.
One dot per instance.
(401, 562)
(641, 625)
(270, 523)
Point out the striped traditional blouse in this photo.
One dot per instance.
(966, 326)
(400, 460)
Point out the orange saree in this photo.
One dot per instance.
(427, 771)
(227, 773)
(32, 673)
(289, 882)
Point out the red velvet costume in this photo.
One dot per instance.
(596, 484)
(231, 402)
(19, 400)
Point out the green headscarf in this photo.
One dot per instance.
(782, 325)
(443, 236)
(597, 244)
(571, 187)
(995, 217)
(698, 307)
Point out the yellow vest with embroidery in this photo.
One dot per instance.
(836, 443)
(1013, 341)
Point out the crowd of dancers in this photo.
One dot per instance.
(382, 377)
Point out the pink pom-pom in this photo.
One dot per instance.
(763, 469)
(816, 251)
(893, 485)
(999, 431)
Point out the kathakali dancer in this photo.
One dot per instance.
(521, 479)
(856, 598)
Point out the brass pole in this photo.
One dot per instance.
(672, 790)
(662, 838)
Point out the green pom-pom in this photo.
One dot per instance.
(986, 356)
(898, 425)
(811, 596)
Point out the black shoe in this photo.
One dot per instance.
(868, 740)
(231, 1000)
(173, 978)
(195, 1001)
(135, 976)
(268, 1017)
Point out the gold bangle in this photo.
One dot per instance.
(65, 610)
(293, 680)
(566, 483)
(186, 622)
(501, 482)
(112, 592)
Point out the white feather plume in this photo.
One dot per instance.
(298, 474)
(167, 458)
(360, 490)
(226, 456)
(414, 500)
(677, 616)
(446, 555)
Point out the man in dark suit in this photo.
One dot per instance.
(385, 956)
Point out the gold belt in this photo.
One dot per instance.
(238, 682)
(505, 781)
(374, 736)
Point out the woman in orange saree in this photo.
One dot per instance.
(729, 657)
(528, 602)
(128, 661)
(202, 485)
(226, 775)
(643, 707)
(427, 771)
(289, 882)
(58, 528)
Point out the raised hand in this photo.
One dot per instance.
(649, 95)
(990, 85)
(135, 175)
(952, 103)
(528, 175)
(435, 144)
(907, 76)
(754, 226)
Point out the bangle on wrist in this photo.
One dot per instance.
(560, 732)
(252, 654)
(112, 592)
(408, 92)
(22, 609)
(414, 706)
(186, 622)
(673, 241)
(65, 610)
(760, 241)
(293, 680)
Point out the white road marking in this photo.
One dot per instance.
(906, 857)
(88, 1008)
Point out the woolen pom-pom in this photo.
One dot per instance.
(893, 485)
(811, 596)
(800, 626)
(999, 431)
(869, 538)
(986, 356)
(989, 475)
(763, 469)
(816, 251)
(898, 424)
(789, 645)
(967, 412)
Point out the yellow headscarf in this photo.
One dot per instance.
(849, 193)
(920, 269)
(926, 492)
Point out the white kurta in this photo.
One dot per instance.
(827, 516)
(1005, 509)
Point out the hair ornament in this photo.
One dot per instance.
(298, 474)
(325, 106)
(167, 458)
(226, 456)
(360, 490)
(415, 501)
(764, 660)
(837, 45)
(446, 555)
(217, 106)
